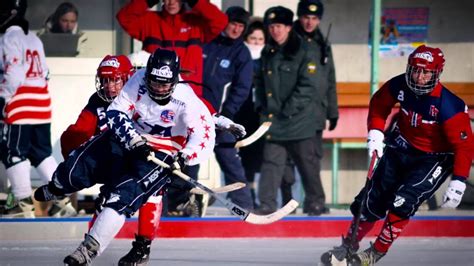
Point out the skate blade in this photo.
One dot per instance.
(29, 214)
(333, 261)
(66, 211)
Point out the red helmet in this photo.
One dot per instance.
(113, 72)
(427, 60)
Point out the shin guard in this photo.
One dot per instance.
(106, 227)
(19, 177)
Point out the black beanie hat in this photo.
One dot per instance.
(238, 14)
(278, 14)
(310, 7)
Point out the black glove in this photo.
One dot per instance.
(179, 162)
(151, 3)
(141, 150)
(332, 123)
(2, 107)
(191, 3)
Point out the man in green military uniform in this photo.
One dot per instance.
(310, 13)
(286, 89)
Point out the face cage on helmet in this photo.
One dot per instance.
(156, 96)
(421, 89)
(99, 86)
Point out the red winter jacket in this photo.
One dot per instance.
(184, 32)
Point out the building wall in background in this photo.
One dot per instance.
(450, 28)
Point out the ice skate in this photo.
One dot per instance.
(366, 258)
(84, 254)
(62, 208)
(139, 254)
(22, 209)
(339, 255)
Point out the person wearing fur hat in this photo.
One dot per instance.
(285, 89)
(227, 79)
(310, 13)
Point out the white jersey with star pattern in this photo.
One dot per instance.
(184, 124)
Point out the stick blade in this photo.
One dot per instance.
(220, 190)
(272, 217)
(229, 188)
(255, 136)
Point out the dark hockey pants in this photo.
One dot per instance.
(128, 182)
(401, 182)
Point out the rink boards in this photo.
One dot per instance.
(229, 227)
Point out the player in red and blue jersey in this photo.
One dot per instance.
(432, 139)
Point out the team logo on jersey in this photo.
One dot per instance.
(398, 201)
(463, 135)
(225, 63)
(167, 116)
(311, 67)
(434, 111)
(163, 72)
(110, 63)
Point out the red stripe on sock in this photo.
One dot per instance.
(149, 219)
(391, 230)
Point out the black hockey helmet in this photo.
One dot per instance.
(11, 9)
(163, 68)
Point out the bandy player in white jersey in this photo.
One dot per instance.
(25, 108)
(153, 112)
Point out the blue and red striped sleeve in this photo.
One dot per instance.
(456, 126)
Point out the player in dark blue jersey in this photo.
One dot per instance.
(431, 140)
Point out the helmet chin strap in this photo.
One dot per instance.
(13, 15)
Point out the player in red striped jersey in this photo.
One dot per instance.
(25, 110)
